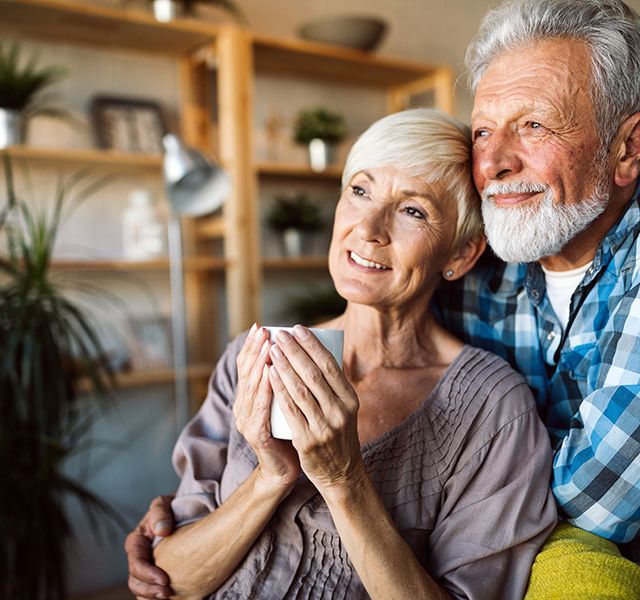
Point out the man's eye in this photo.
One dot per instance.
(535, 125)
(478, 133)
(414, 212)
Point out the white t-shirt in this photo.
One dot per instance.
(560, 288)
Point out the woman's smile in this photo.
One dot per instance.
(366, 264)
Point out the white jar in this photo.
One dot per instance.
(143, 230)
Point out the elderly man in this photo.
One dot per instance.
(556, 153)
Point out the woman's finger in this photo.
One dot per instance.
(297, 389)
(249, 384)
(310, 374)
(293, 415)
(325, 361)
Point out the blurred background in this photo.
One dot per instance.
(275, 91)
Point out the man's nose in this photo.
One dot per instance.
(497, 157)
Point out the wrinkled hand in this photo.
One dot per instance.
(145, 579)
(278, 461)
(320, 406)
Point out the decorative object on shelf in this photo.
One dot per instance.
(22, 93)
(295, 217)
(150, 343)
(273, 127)
(128, 125)
(168, 10)
(321, 129)
(359, 33)
(195, 187)
(54, 381)
(143, 230)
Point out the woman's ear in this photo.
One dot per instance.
(464, 258)
(627, 152)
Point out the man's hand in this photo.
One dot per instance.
(145, 579)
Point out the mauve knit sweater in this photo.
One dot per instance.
(465, 478)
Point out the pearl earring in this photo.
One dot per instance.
(449, 273)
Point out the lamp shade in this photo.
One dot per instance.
(195, 186)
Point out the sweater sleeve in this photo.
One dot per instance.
(200, 454)
(497, 508)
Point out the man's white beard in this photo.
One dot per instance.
(529, 233)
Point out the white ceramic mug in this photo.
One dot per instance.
(333, 341)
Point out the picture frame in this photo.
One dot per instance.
(128, 125)
(150, 343)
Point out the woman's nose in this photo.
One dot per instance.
(497, 157)
(374, 226)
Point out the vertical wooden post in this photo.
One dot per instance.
(242, 242)
(195, 130)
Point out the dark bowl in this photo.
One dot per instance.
(360, 33)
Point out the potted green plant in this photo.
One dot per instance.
(23, 87)
(320, 129)
(168, 10)
(294, 217)
(53, 378)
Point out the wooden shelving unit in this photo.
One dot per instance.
(196, 264)
(87, 157)
(291, 171)
(238, 56)
(164, 376)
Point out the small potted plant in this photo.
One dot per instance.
(168, 10)
(295, 217)
(22, 93)
(320, 129)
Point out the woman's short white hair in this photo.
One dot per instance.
(424, 143)
(609, 27)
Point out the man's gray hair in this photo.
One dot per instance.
(423, 143)
(609, 27)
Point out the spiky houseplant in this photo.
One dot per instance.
(23, 84)
(52, 378)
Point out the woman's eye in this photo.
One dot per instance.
(357, 190)
(414, 212)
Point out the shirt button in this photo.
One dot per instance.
(551, 335)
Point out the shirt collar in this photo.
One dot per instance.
(629, 223)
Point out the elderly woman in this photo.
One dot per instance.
(421, 470)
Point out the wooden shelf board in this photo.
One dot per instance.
(199, 263)
(272, 169)
(211, 228)
(142, 378)
(309, 59)
(72, 21)
(90, 157)
(302, 263)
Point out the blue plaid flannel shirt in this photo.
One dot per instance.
(586, 382)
